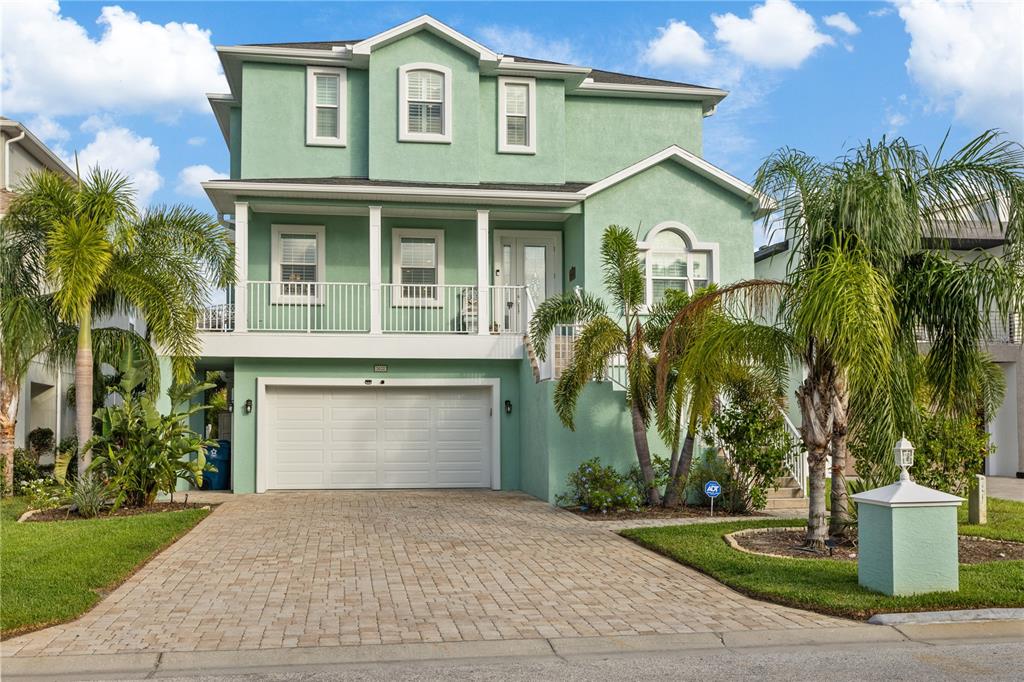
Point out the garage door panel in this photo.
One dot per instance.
(379, 437)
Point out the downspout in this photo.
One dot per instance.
(7, 158)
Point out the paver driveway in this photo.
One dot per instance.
(330, 568)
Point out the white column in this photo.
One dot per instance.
(483, 272)
(242, 266)
(58, 384)
(375, 288)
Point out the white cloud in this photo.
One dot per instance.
(197, 141)
(190, 177)
(524, 43)
(880, 12)
(968, 55)
(777, 35)
(894, 120)
(677, 45)
(48, 130)
(51, 64)
(843, 22)
(118, 148)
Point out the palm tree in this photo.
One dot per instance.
(93, 254)
(861, 284)
(604, 338)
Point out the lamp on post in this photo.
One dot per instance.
(903, 453)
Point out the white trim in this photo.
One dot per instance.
(262, 383)
(379, 193)
(710, 97)
(365, 47)
(531, 124)
(312, 139)
(367, 346)
(483, 271)
(375, 266)
(404, 134)
(761, 203)
(396, 264)
(553, 239)
(318, 231)
(693, 246)
(241, 244)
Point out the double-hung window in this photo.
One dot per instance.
(672, 264)
(326, 116)
(417, 266)
(425, 103)
(517, 115)
(297, 263)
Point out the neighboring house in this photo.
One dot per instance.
(1006, 347)
(400, 205)
(43, 402)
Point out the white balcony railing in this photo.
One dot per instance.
(1001, 330)
(345, 308)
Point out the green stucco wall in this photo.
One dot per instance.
(606, 134)
(273, 141)
(547, 165)
(458, 161)
(907, 550)
(246, 371)
(235, 142)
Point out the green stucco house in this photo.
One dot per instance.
(400, 205)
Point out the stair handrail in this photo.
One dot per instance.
(796, 460)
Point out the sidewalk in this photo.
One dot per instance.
(184, 664)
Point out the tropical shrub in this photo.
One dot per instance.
(26, 467)
(710, 466)
(88, 496)
(140, 453)
(751, 429)
(598, 487)
(45, 493)
(662, 475)
(40, 441)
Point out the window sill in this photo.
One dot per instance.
(523, 151)
(325, 143)
(424, 138)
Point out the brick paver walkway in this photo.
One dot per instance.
(336, 568)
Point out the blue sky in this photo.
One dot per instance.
(123, 83)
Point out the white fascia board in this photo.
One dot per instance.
(221, 104)
(412, 346)
(39, 150)
(573, 75)
(709, 97)
(425, 22)
(231, 58)
(224, 193)
(761, 202)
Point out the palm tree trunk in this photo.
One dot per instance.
(8, 419)
(643, 454)
(840, 516)
(674, 489)
(83, 389)
(813, 397)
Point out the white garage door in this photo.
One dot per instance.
(377, 437)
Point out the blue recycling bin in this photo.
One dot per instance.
(220, 457)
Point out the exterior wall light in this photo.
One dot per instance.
(248, 406)
(508, 407)
(903, 453)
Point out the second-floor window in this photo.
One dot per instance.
(425, 103)
(517, 109)
(672, 263)
(297, 262)
(418, 265)
(326, 120)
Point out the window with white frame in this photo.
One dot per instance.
(326, 116)
(417, 265)
(674, 261)
(297, 263)
(425, 103)
(517, 119)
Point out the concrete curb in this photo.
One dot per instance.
(206, 662)
(961, 616)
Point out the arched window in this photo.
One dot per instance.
(676, 261)
(425, 103)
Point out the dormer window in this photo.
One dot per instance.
(425, 103)
(326, 116)
(517, 119)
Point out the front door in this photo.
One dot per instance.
(530, 258)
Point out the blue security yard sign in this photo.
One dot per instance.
(712, 489)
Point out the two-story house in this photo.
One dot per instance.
(400, 205)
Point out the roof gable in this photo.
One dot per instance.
(762, 204)
(425, 23)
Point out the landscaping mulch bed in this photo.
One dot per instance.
(65, 514)
(651, 513)
(786, 542)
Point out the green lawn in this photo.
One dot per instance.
(831, 586)
(51, 572)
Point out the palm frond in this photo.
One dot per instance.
(571, 307)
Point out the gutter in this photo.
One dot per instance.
(7, 158)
